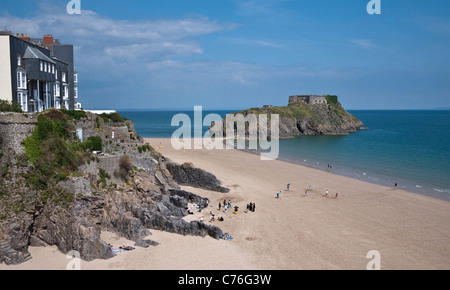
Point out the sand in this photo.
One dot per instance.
(294, 232)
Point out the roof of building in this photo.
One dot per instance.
(32, 52)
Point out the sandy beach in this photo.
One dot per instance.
(297, 231)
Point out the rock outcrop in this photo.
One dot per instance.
(188, 174)
(71, 210)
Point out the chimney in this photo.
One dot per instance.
(48, 39)
(23, 36)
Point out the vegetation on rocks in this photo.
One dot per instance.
(7, 106)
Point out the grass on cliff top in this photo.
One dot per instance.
(292, 111)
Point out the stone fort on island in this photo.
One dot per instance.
(308, 99)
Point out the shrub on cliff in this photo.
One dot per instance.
(93, 143)
(48, 150)
(77, 115)
(113, 117)
(13, 106)
(332, 99)
(49, 127)
(125, 166)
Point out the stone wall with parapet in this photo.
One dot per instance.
(14, 128)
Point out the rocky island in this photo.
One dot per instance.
(310, 115)
(68, 175)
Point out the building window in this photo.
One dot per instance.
(19, 59)
(53, 68)
(22, 99)
(21, 80)
(57, 90)
(42, 65)
(45, 67)
(64, 77)
(56, 73)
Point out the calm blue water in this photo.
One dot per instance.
(411, 148)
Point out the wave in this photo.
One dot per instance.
(442, 190)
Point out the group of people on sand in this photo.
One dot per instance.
(213, 218)
(288, 188)
(251, 207)
(226, 205)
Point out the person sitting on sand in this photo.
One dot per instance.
(278, 194)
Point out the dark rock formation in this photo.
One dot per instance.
(188, 174)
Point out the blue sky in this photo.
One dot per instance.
(240, 54)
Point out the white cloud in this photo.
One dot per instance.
(365, 43)
(257, 42)
(148, 39)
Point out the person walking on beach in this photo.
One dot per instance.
(337, 195)
(288, 186)
(220, 205)
(253, 207)
(310, 187)
(278, 194)
(326, 192)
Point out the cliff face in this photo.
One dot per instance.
(310, 119)
(129, 190)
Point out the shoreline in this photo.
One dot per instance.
(411, 187)
(372, 178)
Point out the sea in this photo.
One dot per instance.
(405, 147)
